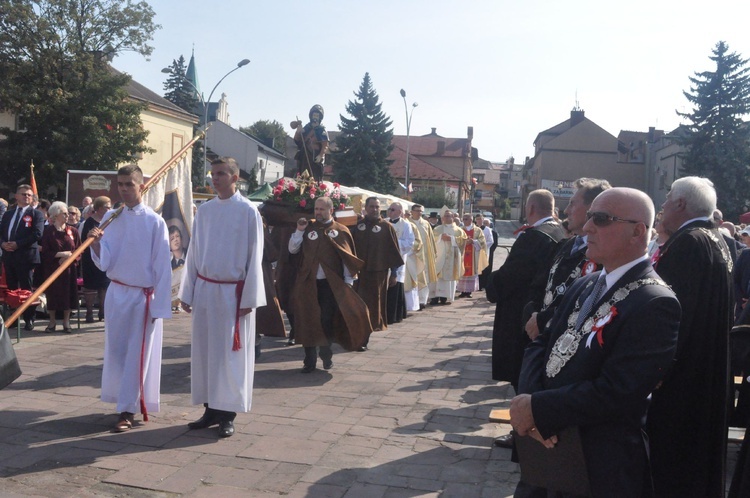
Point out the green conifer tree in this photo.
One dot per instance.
(179, 90)
(716, 138)
(363, 147)
(181, 93)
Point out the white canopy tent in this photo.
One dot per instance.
(358, 196)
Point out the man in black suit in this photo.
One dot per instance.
(20, 232)
(570, 261)
(607, 348)
(510, 284)
(687, 421)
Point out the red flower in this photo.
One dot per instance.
(336, 185)
(290, 188)
(322, 186)
(302, 203)
(342, 206)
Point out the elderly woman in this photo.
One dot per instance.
(58, 243)
(74, 216)
(95, 281)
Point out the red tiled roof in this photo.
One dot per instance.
(428, 146)
(418, 169)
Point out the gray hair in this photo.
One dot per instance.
(697, 192)
(591, 187)
(56, 208)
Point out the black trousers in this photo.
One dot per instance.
(328, 307)
(396, 303)
(221, 415)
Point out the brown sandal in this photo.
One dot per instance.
(125, 423)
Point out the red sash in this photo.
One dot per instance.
(239, 285)
(148, 292)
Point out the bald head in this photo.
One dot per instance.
(540, 204)
(619, 228)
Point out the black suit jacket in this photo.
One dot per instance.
(561, 281)
(27, 236)
(511, 284)
(605, 388)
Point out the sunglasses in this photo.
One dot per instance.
(601, 219)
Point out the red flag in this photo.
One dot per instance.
(33, 181)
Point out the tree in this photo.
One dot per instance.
(182, 94)
(717, 140)
(179, 90)
(435, 198)
(252, 180)
(270, 133)
(364, 144)
(72, 107)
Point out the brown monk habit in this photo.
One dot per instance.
(331, 247)
(377, 246)
(269, 321)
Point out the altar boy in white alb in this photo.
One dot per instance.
(134, 252)
(222, 286)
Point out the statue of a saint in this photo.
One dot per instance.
(312, 144)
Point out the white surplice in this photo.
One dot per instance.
(134, 251)
(226, 246)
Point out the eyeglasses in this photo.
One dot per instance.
(602, 219)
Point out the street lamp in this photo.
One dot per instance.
(167, 70)
(408, 128)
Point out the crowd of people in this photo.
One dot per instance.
(614, 322)
(38, 236)
(618, 330)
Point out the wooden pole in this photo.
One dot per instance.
(85, 244)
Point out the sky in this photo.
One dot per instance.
(509, 69)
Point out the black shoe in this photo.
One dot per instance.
(327, 365)
(443, 300)
(226, 428)
(307, 369)
(468, 294)
(505, 441)
(90, 317)
(421, 307)
(290, 342)
(207, 420)
(362, 349)
(434, 301)
(29, 326)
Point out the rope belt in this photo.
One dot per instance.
(239, 285)
(148, 292)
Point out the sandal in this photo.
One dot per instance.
(49, 330)
(125, 423)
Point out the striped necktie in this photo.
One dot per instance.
(590, 301)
